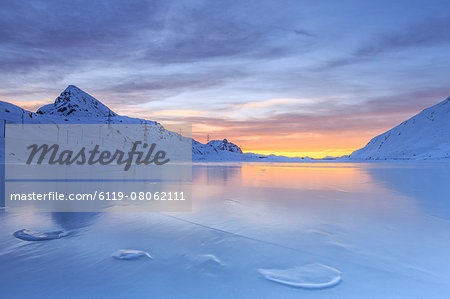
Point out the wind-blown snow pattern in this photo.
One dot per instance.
(424, 136)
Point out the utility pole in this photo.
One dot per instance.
(145, 132)
(2, 166)
(109, 119)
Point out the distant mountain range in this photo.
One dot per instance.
(76, 106)
(424, 136)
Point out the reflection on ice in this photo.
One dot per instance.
(73, 221)
(427, 183)
(311, 276)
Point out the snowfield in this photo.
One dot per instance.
(423, 136)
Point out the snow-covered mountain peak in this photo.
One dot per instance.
(76, 103)
(225, 145)
(424, 136)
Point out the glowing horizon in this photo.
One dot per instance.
(283, 77)
(311, 143)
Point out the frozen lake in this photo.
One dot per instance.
(382, 228)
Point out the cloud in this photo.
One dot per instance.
(300, 32)
(66, 33)
(372, 115)
(429, 32)
(159, 86)
(421, 34)
(50, 33)
(29, 105)
(159, 48)
(238, 67)
(272, 102)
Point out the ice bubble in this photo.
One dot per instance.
(311, 276)
(129, 254)
(29, 235)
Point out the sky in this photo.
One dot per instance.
(297, 78)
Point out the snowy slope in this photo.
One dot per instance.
(215, 152)
(225, 145)
(424, 136)
(76, 106)
(13, 114)
(76, 103)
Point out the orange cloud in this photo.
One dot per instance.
(273, 102)
(30, 105)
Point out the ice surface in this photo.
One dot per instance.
(312, 276)
(204, 264)
(29, 235)
(206, 259)
(130, 254)
(384, 225)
